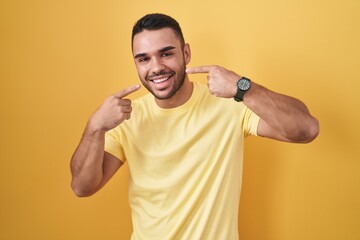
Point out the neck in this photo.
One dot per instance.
(179, 98)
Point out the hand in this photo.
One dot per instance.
(221, 82)
(113, 111)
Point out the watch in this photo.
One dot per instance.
(243, 85)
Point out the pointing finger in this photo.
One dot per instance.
(199, 69)
(127, 91)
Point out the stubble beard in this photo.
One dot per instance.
(175, 87)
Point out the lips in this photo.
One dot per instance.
(161, 82)
(160, 78)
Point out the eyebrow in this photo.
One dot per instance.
(166, 49)
(139, 55)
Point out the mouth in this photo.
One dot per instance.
(160, 79)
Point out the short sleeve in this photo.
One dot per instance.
(250, 123)
(113, 145)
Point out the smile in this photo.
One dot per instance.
(160, 80)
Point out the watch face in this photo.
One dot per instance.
(244, 84)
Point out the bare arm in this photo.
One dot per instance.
(281, 117)
(91, 167)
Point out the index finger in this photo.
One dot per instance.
(126, 91)
(199, 69)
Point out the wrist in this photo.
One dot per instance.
(93, 128)
(243, 85)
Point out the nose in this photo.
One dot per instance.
(157, 66)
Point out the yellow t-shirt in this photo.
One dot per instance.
(185, 165)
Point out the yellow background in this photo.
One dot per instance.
(60, 59)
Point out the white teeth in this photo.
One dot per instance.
(160, 80)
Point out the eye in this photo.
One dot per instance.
(166, 54)
(143, 59)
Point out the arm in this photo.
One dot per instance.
(281, 117)
(91, 167)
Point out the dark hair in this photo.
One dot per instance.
(156, 21)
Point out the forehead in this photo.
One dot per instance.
(152, 40)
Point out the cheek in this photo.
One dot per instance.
(176, 64)
(142, 72)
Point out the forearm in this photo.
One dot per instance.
(87, 162)
(287, 115)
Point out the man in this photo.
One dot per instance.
(184, 141)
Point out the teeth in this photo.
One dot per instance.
(160, 80)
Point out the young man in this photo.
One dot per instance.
(184, 141)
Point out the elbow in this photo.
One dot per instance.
(311, 132)
(83, 186)
(80, 191)
(81, 194)
(314, 130)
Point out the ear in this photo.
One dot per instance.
(187, 53)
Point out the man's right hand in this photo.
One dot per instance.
(113, 111)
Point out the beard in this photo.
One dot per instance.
(177, 82)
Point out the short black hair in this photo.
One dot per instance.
(156, 21)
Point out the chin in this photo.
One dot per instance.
(163, 96)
